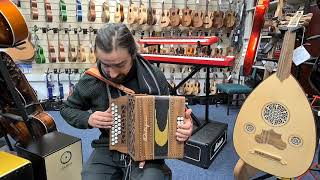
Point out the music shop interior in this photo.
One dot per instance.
(159, 89)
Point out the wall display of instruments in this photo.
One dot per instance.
(155, 136)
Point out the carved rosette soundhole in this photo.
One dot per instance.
(249, 128)
(295, 141)
(275, 114)
(131, 125)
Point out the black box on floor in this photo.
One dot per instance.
(203, 146)
(54, 156)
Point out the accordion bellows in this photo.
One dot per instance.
(144, 126)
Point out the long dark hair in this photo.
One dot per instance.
(113, 35)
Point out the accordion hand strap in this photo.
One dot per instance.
(94, 71)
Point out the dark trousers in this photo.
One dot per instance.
(106, 165)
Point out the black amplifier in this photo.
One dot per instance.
(204, 145)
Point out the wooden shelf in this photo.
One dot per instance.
(204, 40)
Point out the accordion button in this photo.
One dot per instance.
(116, 138)
(112, 108)
(112, 113)
(112, 144)
(112, 132)
(116, 142)
(112, 104)
(116, 110)
(119, 128)
(119, 116)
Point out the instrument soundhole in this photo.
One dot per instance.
(275, 114)
(249, 128)
(295, 141)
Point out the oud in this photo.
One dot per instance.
(273, 132)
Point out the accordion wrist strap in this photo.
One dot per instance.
(95, 73)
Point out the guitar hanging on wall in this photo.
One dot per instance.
(151, 16)
(63, 16)
(258, 22)
(61, 52)
(91, 11)
(51, 51)
(105, 14)
(133, 13)
(186, 19)
(165, 17)
(197, 17)
(34, 10)
(273, 132)
(48, 11)
(174, 15)
(119, 15)
(78, 11)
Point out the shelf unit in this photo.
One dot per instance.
(198, 62)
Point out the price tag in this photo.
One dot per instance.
(300, 55)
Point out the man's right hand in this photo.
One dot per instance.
(101, 119)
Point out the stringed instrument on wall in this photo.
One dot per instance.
(40, 121)
(78, 11)
(34, 10)
(133, 13)
(143, 14)
(273, 132)
(151, 15)
(48, 11)
(39, 53)
(119, 15)
(197, 17)
(230, 17)
(63, 15)
(13, 27)
(174, 15)
(92, 11)
(72, 54)
(105, 14)
(92, 56)
(81, 53)
(61, 52)
(207, 18)
(218, 17)
(51, 51)
(165, 17)
(186, 19)
(258, 22)
(23, 52)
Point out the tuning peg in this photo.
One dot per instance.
(85, 31)
(55, 71)
(44, 30)
(95, 31)
(55, 30)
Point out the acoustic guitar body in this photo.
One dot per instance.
(119, 15)
(23, 52)
(275, 129)
(133, 14)
(105, 14)
(186, 19)
(174, 17)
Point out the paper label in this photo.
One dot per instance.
(300, 55)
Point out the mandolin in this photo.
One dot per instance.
(48, 11)
(91, 11)
(186, 19)
(229, 17)
(165, 17)
(63, 16)
(142, 14)
(61, 53)
(34, 10)
(119, 15)
(258, 21)
(218, 17)
(151, 15)
(92, 56)
(271, 127)
(81, 53)
(133, 13)
(13, 27)
(40, 121)
(174, 15)
(105, 14)
(197, 17)
(207, 18)
(51, 51)
(78, 11)
(72, 55)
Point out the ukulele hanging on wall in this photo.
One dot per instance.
(186, 19)
(273, 132)
(174, 15)
(34, 10)
(165, 17)
(119, 15)
(91, 11)
(105, 14)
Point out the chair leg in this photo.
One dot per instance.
(228, 106)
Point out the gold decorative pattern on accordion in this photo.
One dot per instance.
(145, 126)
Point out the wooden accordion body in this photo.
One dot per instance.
(145, 126)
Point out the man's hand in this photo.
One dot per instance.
(184, 130)
(101, 119)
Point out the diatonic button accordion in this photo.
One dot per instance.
(144, 126)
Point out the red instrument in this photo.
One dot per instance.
(258, 23)
(13, 27)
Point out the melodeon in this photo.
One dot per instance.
(144, 126)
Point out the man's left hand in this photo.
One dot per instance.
(184, 130)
